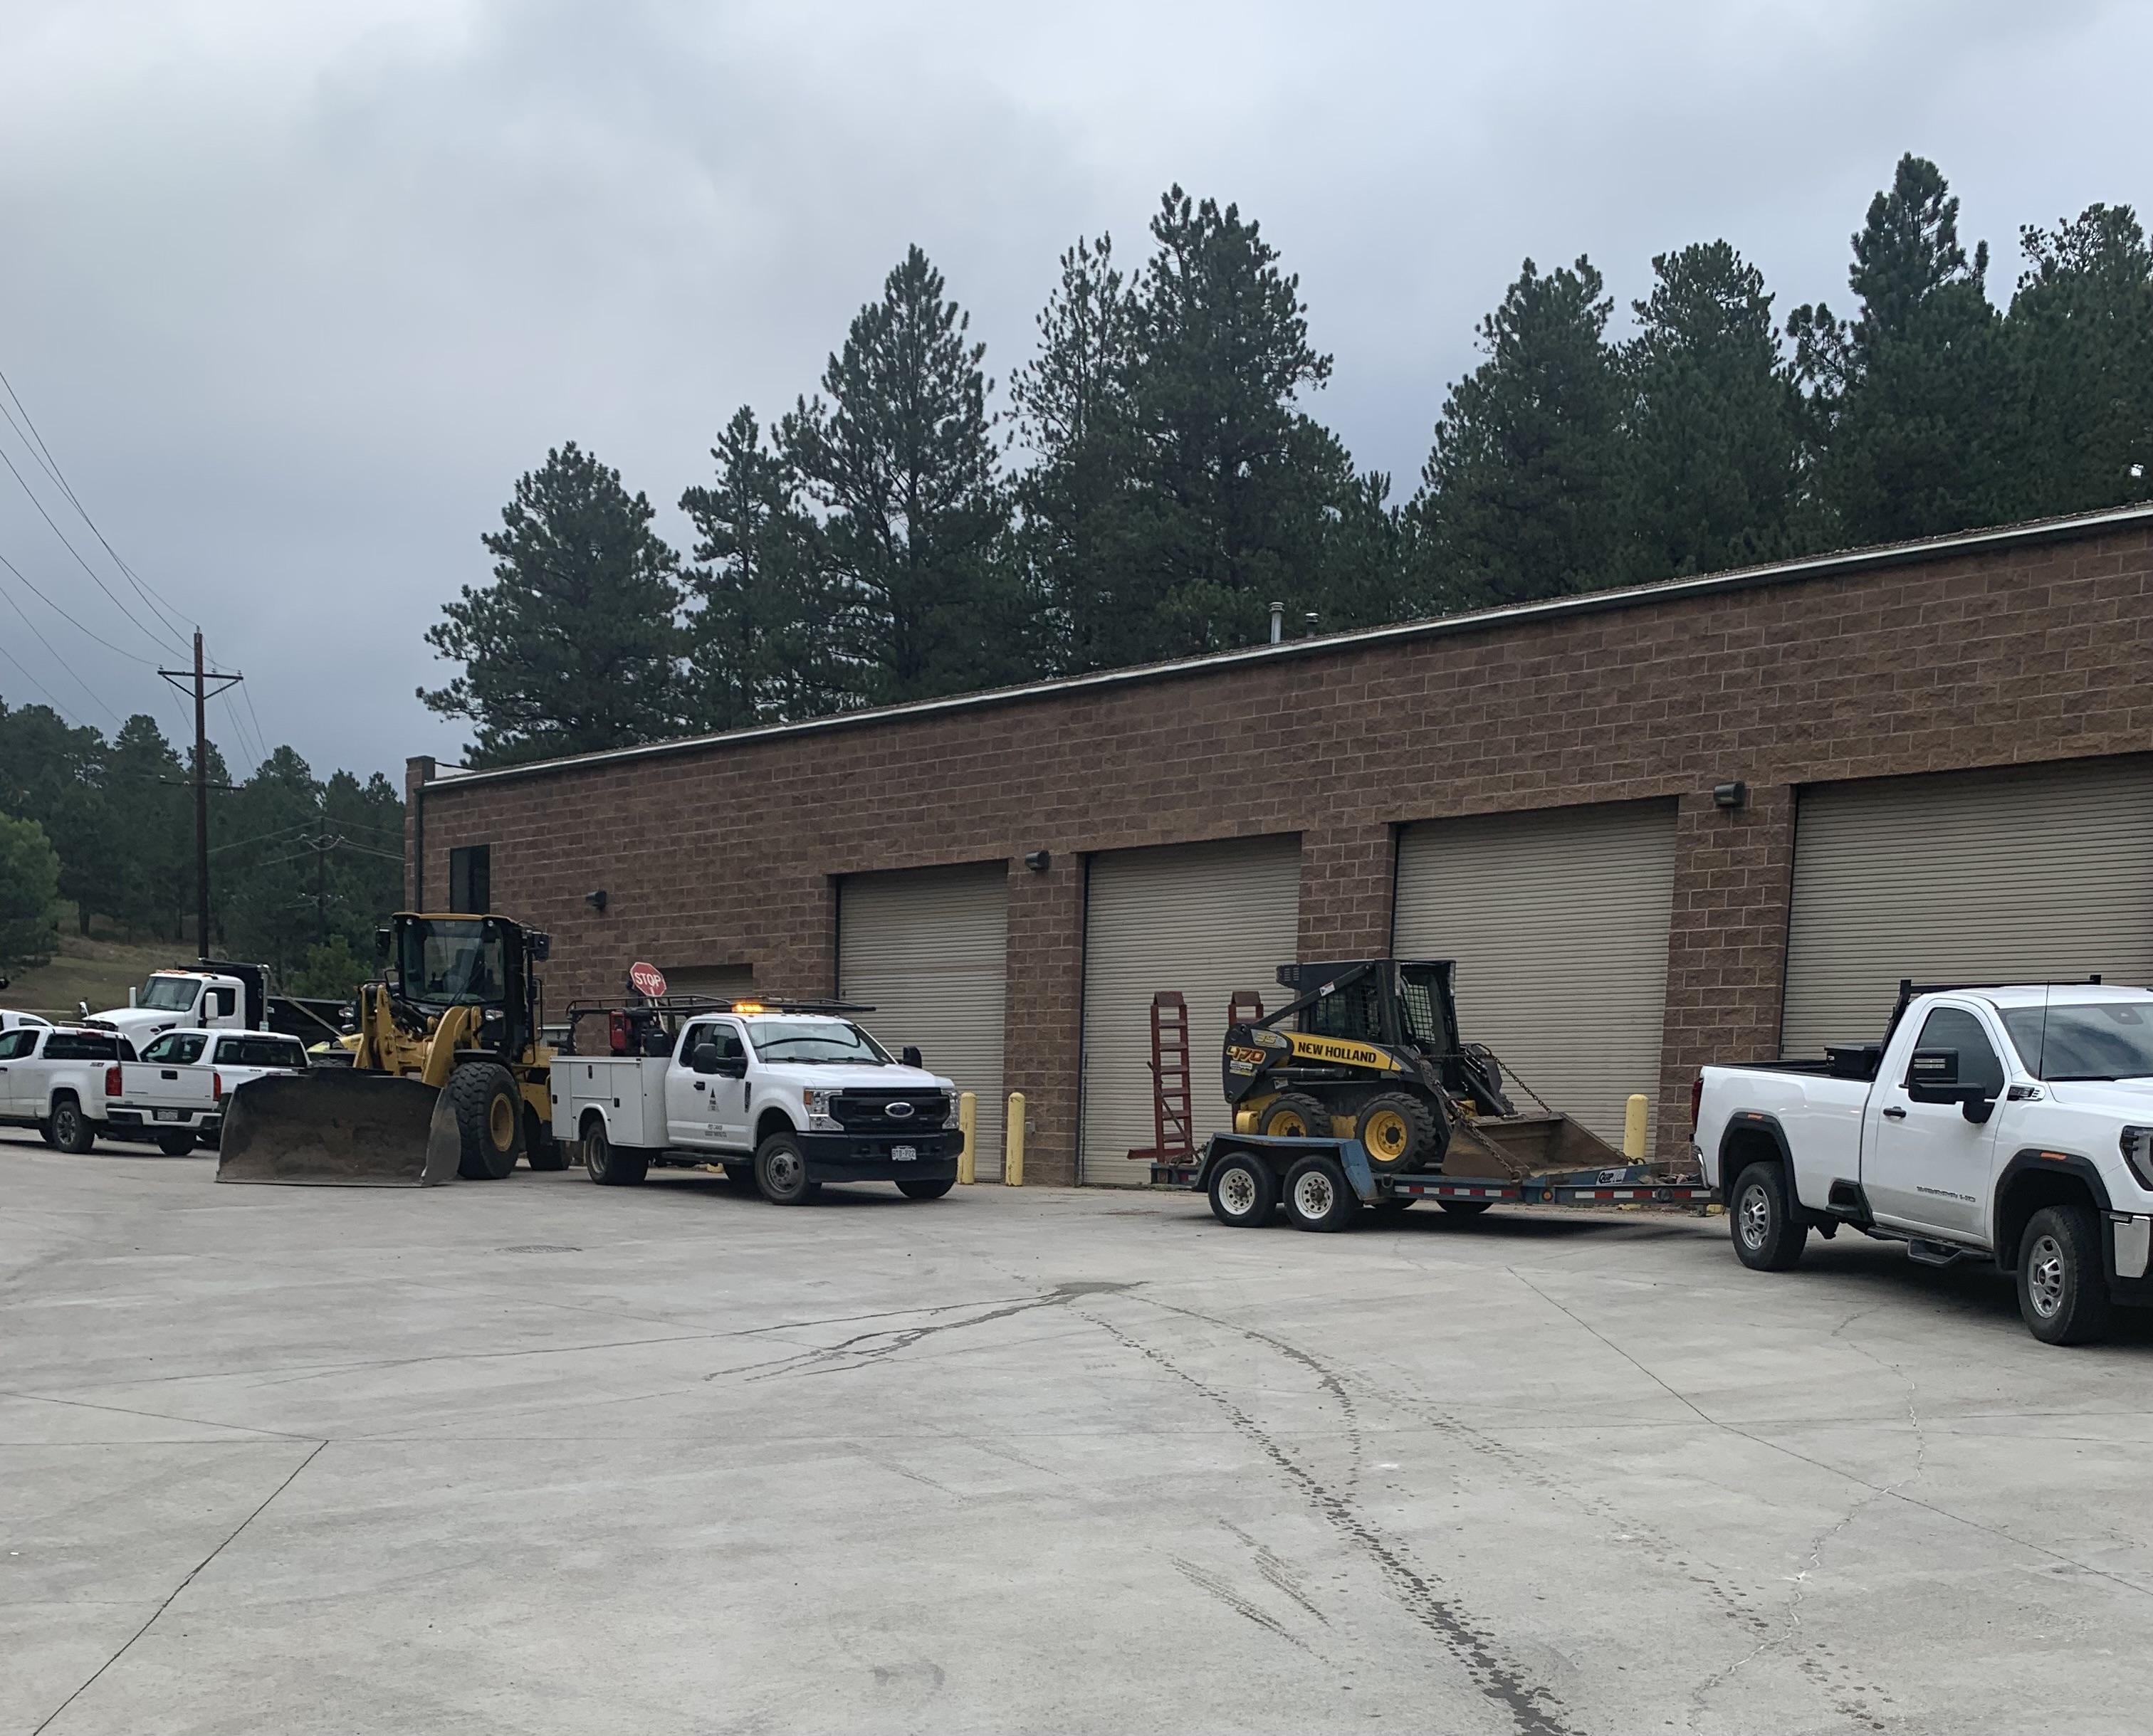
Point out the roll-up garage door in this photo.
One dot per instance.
(1557, 919)
(2038, 872)
(927, 949)
(720, 982)
(1206, 919)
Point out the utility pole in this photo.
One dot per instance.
(197, 680)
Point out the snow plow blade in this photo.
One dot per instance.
(338, 1128)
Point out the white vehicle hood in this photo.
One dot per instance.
(139, 1024)
(856, 1079)
(2126, 1099)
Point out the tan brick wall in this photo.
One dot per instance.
(730, 852)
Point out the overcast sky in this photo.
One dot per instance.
(294, 293)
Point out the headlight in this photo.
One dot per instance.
(2137, 1146)
(949, 1115)
(817, 1105)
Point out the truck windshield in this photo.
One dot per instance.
(450, 964)
(2102, 1040)
(815, 1041)
(170, 994)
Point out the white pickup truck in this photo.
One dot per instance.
(786, 1095)
(2013, 1123)
(176, 1093)
(56, 1079)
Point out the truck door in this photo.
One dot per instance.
(691, 1100)
(1925, 1166)
(220, 1005)
(14, 1046)
(732, 1096)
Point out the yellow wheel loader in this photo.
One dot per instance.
(447, 1076)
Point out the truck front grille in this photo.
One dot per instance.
(871, 1111)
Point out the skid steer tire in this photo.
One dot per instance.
(541, 1150)
(489, 1119)
(1397, 1130)
(1296, 1115)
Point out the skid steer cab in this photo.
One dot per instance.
(1366, 1049)
(447, 1078)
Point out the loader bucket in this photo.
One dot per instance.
(336, 1129)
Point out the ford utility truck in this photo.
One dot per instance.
(177, 1093)
(787, 1095)
(2010, 1123)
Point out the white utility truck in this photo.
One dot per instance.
(787, 1094)
(176, 1093)
(2008, 1122)
(56, 1078)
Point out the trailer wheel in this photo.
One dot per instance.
(1768, 1235)
(1465, 1208)
(926, 1189)
(71, 1129)
(1242, 1193)
(1396, 1129)
(1295, 1115)
(176, 1144)
(2062, 1290)
(781, 1171)
(541, 1150)
(606, 1163)
(489, 1119)
(1317, 1196)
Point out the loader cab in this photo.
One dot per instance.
(1401, 1004)
(440, 961)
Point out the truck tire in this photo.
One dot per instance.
(608, 1164)
(1242, 1193)
(489, 1119)
(740, 1175)
(541, 1150)
(45, 1133)
(781, 1171)
(1768, 1234)
(1317, 1196)
(176, 1144)
(1396, 1129)
(72, 1130)
(1296, 1115)
(2063, 1282)
(926, 1189)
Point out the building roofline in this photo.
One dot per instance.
(1833, 566)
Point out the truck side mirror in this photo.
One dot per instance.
(733, 1067)
(910, 1055)
(705, 1060)
(1932, 1077)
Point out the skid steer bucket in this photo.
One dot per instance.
(1515, 1146)
(338, 1128)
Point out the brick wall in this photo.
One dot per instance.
(729, 852)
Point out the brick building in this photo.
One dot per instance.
(1696, 820)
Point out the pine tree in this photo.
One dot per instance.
(1517, 498)
(1711, 471)
(29, 895)
(760, 635)
(571, 649)
(151, 818)
(899, 455)
(2081, 332)
(1910, 401)
(54, 772)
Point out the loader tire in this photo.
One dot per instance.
(489, 1119)
(1296, 1115)
(1398, 1129)
(541, 1150)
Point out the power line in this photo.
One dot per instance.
(41, 688)
(161, 644)
(69, 619)
(59, 659)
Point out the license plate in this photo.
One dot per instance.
(168, 1114)
(905, 1153)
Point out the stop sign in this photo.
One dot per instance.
(646, 980)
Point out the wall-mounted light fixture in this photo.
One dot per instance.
(597, 900)
(1730, 795)
(1037, 861)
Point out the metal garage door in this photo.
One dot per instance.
(721, 981)
(1206, 919)
(2042, 870)
(1557, 919)
(927, 949)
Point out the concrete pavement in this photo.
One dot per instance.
(538, 1456)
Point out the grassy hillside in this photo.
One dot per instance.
(97, 971)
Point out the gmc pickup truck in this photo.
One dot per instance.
(2011, 1122)
(788, 1097)
(176, 1093)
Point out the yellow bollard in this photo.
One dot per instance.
(1633, 1128)
(1013, 1143)
(967, 1124)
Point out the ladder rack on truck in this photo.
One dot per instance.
(1321, 1183)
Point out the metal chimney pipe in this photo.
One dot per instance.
(1278, 623)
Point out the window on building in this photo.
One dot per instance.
(470, 879)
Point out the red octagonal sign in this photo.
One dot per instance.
(646, 980)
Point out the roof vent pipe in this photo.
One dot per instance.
(1278, 623)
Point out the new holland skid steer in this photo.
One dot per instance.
(447, 1076)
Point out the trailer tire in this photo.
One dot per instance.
(176, 1144)
(2062, 1286)
(1465, 1208)
(489, 1119)
(608, 1164)
(1242, 1193)
(1317, 1196)
(72, 1131)
(541, 1150)
(1768, 1233)
(781, 1171)
(926, 1189)
(1396, 1129)
(1295, 1115)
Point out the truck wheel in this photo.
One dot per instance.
(781, 1171)
(176, 1144)
(45, 1133)
(1465, 1208)
(607, 1165)
(1242, 1193)
(1317, 1197)
(1296, 1115)
(71, 1129)
(2063, 1288)
(1398, 1129)
(926, 1189)
(740, 1175)
(541, 1150)
(1768, 1236)
(489, 1118)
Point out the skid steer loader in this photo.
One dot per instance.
(1369, 1049)
(447, 1075)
